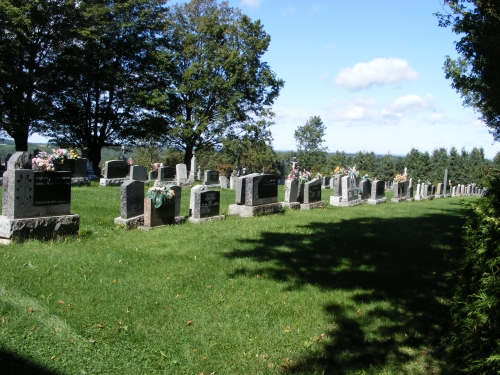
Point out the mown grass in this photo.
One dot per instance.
(360, 290)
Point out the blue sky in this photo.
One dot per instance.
(372, 70)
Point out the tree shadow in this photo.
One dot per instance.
(400, 261)
(12, 363)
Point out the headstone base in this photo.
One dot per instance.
(325, 186)
(439, 196)
(398, 200)
(292, 205)
(205, 219)
(80, 181)
(338, 202)
(131, 223)
(312, 206)
(260, 210)
(428, 198)
(39, 227)
(376, 201)
(177, 220)
(183, 183)
(215, 186)
(111, 181)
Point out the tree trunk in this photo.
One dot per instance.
(188, 155)
(95, 157)
(21, 141)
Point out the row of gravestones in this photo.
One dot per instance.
(116, 172)
(37, 204)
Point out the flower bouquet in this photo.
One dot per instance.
(400, 178)
(340, 170)
(42, 162)
(160, 195)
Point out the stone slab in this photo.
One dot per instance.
(292, 205)
(177, 220)
(398, 199)
(312, 206)
(344, 203)
(80, 181)
(376, 201)
(130, 223)
(205, 219)
(39, 227)
(248, 211)
(111, 181)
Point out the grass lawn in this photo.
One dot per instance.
(357, 290)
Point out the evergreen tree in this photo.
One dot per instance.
(309, 138)
(386, 168)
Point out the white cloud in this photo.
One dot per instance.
(380, 72)
(435, 117)
(251, 3)
(408, 103)
(359, 108)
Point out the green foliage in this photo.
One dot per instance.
(475, 73)
(476, 304)
(386, 169)
(212, 83)
(309, 138)
(365, 162)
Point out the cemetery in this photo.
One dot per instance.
(246, 238)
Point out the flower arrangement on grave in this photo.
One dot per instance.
(61, 154)
(400, 178)
(160, 194)
(365, 178)
(42, 162)
(130, 162)
(340, 170)
(294, 174)
(304, 176)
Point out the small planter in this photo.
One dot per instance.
(163, 215)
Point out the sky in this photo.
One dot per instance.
(372, 70)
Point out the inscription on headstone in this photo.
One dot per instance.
(211, 178)
(312, 191)
(115, 169)
(52, 188)
(207, 204)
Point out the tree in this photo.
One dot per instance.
(214, 82)
(475, 73)
(386, 170)
(439, 162)
(95, 93)
(365, 162)
(309, 139)
(32, 34)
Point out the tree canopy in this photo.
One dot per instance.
(475, 74)
(309, 138)
(214, 82)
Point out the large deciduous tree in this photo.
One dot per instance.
(32, 34)
(309, 139)
(96, 92)
(214, 82)
(476, 74)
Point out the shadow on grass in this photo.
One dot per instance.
(393, 267)
(13, 364)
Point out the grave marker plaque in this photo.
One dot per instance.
(52, 188)
(261, 189)
(207, 204)
(312, 191)
(166, 173)
(115, 169)
(211, 178)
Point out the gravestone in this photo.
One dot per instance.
(223, 182)
(350, 193)
(400, 191)
(211, 178)
(256, 194)
(291, 189)
(206, 206)
(194, 189)
(166, 174)
(153, 175)
(181, 176)
(326, 183)
(377, 195)
(115, 173)
(131, 204)
(439, 191)
(168, 213)
(453, 191)
(366, 189)
(336, 185)
(445, 183)
(192, 171)
(35, 204)
(138, 173)
(312, 195)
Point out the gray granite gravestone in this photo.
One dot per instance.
(131, 204)
(166, 174)
(211, 178)
(115, 173)
(35, 204)
(256, 194)
(326, 183)
(366, 189)
(181, 176)
(138, 173)
(350, 193)
(377, 195)
(312, 195)
(291, 188)
(223, 182)
(206, 206)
